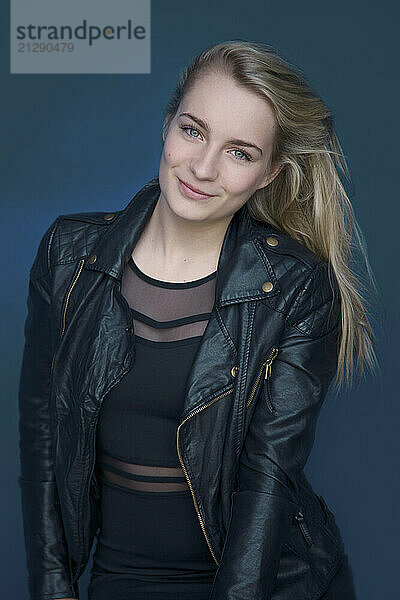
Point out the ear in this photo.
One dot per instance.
(270, 176)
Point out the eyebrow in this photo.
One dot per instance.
(204, 125)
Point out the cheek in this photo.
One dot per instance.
(174, 149)
(242, 182)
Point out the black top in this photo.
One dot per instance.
(150, 539)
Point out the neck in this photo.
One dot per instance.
(178, 245)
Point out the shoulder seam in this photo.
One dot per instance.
(301, 289)
(45, 260)
(56, 222)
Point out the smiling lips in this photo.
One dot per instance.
(187, 190)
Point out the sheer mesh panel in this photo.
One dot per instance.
(141, 477)
(166, 311)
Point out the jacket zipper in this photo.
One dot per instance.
(69, 293)
(65, 310)
(267, 365)
(195, 412)
(303, 527)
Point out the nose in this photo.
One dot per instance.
(204, 165)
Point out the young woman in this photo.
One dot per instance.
(178, 352)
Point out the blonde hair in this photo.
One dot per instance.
(306, 199)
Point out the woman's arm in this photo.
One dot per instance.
(46, 552)
(278, 443)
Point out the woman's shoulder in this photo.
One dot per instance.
(307, 283)
(293, 262)
(68, 236)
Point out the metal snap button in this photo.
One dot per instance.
(92, 259)
(109, 217)
(267, 286)
(272, 241)
(234, 370)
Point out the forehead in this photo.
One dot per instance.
(229, 108)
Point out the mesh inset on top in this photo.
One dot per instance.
(167, 311)
(141, 477)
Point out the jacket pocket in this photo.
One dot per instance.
(315, 544)
(263, 375)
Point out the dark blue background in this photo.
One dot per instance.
(88, 142)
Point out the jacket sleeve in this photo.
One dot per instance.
(278, 442)
(46, 554)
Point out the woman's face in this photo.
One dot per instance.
(220, 143)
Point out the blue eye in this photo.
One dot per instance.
(188, 128)
(247, 157)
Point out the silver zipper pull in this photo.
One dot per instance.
(303, 527)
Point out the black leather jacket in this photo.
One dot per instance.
(247, 424)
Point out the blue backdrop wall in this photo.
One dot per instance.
(89, 142)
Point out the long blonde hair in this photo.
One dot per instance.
(306, 199)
